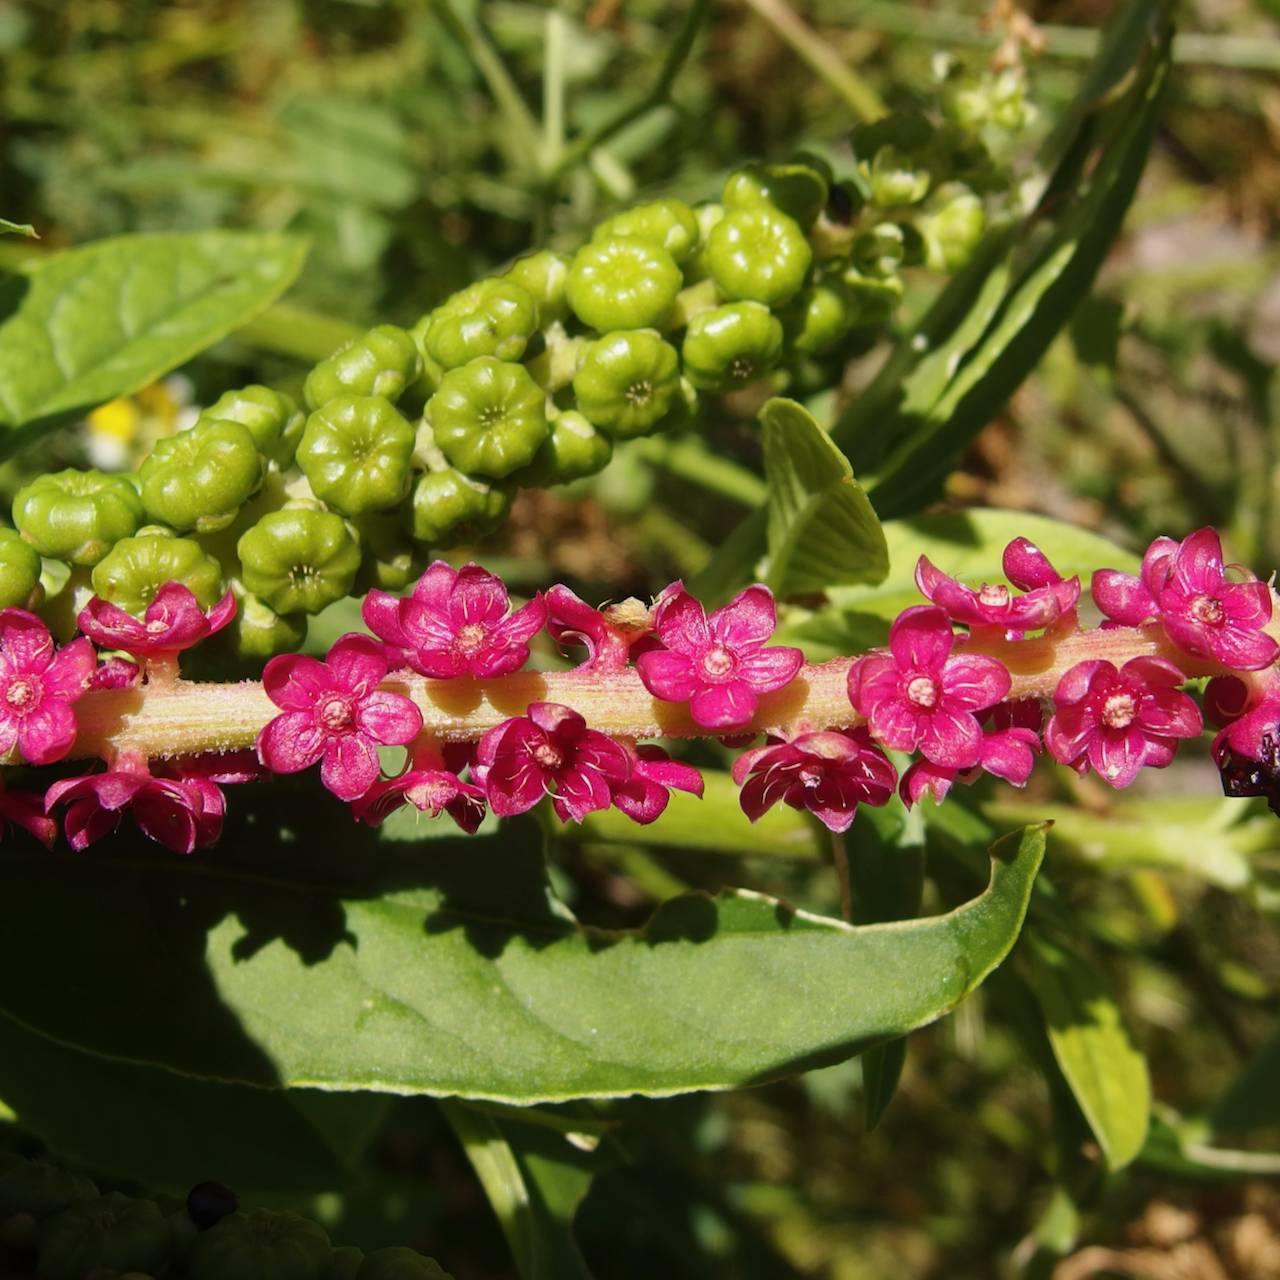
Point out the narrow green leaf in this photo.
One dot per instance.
(821, 529)
(88, 324)
(1105, 1071)
(17, 229)
(1252, 1100)
(447, 968)
(169, 1131)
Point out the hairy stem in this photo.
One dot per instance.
(187, 718)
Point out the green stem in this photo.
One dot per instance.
(690, 459)
(681, 47)
(861, 99)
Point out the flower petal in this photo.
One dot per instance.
(358, 663)
(681, 622)
(297, 683)
(723, 706)
(921, 638)
(349, 765)
(751, 617)
(768, 669)
(667, 675)
(389, 718)
(72, 670)
(1122, 597)
(45, 734)
(972, 682)
(290, 743)
(478, 598)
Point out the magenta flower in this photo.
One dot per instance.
(183, 814)
(22, 809)
(115, 673)
(829, 772)
(919, 696)
(173, 621)
(1120, 721)
(335, 713)
(549, 751)
(1185, 586)
(608, 634)
(38, 686)
(644, 795)
(430, 786)
(457, 622)
(1048, 595)
(717, 664)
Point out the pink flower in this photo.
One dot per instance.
(717, 664)
(38, 686)
(522, 759)
(430, 786)
(183, 814)
(919, 696)
(115, 673)
(1251, 724)
(22, 809)
(828, 772)
(173, 621)
(1009, 749)
(1120, 721)
(608, 634)
(335, 713)
(1048, 595)
(456, 623)
(643, 796)
(1186, 587)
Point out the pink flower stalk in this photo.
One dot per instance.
(647, 790)
(1120, 721)
(115, 673)
(609, 634)
(38, 686)
(524, 758)
(457, 622)
(1185, 585)
(1009, 750)
(335, 713)
(717, 664)
(919, 696)
(430, 786)
(828, 772)
(22, 809)
(183, 814)
(1048, 596)
(173, 621)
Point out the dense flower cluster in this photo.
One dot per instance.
(945, 690)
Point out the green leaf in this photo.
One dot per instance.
(170, 1131)
(821, 529)
(17, 229)
(1105, 1071)
(1069, 235)
(297, 956)
(89, 324)
(965, 544)
(1252, 1100)
(534, 1179)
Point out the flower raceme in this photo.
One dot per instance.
(962, 686)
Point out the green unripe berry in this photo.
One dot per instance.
(346, 1262)
(545, 275)
(356, 454)
(138, 567)
(382, 362)
(623, 283)
(872, 298)
(258, 632)
(19, 572)
(731, 346)
(273, 419)
(894, 178)
(628, 382)
(112, 1231)
(38, 1187)
(967, 103)
(817, 320)
(488, 417)
(670, 224)
(299, 560)
(77, 515)
(262, 1245)
(199, 478)
(450, 508)
(880, 250)
(952, 231)
(798, 190)
(759, 255)
(400, 1264)
(574, 449)
(490, 318)
(391, 562)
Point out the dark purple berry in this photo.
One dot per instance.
(209, 1202)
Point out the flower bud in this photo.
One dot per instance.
(894, 178)
(77, 515)
(798, 190)
(953, 230)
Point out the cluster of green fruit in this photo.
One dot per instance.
(55, 1225)
(416, 440)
